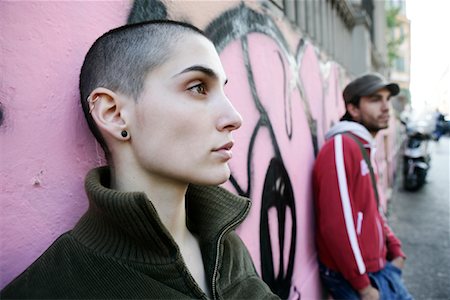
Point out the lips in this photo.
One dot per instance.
(384, 117)
(224, 151)
(227, 147)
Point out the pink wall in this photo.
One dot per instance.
(46, 148)
(288, 97)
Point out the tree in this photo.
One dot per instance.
(394, 39)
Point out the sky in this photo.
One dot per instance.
(430, 52)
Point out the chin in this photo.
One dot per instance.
(211, 181)
(215, 177)
(376, 127)
(219, 179)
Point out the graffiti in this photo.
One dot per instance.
(147, 10)
(278, 195)
(277, 189)
(1, 114)
(225, 29)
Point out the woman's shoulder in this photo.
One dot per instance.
(44, 272)
(69, 269)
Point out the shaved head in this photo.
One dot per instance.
(121, 59)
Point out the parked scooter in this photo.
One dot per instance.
(416, 155)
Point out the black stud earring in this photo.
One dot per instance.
(124, 133)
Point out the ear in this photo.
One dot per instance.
(106, 110)
(354, 111)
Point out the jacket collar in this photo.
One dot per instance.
(354, 127)
(126, 225)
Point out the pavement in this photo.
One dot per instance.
(421, 220)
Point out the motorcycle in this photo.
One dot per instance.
(416, 156)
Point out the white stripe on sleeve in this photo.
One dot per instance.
(346, 206)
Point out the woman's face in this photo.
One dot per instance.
(181, 127)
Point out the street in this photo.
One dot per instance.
(421, 220)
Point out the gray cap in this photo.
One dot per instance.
(367, 85)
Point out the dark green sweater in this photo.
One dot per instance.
(120, 249)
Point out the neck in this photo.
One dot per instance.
(373, 131)
(166, 195)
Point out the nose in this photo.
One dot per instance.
(386, 105)
(230, 119)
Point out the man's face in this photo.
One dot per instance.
(373, 111)
(181, 126)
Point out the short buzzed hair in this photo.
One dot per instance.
(121, 59)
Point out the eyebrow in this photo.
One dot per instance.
(378, 95)
(205, 70)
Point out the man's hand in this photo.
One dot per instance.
(399, 262)
(369, 293)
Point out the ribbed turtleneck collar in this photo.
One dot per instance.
(126, 225)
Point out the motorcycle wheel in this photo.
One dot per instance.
(415, 180)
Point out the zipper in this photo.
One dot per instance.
(219, 241)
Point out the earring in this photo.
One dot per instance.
(92, 101)
(124, 133)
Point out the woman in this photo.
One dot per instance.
(157, 225)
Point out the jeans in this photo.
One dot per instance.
(387, 281)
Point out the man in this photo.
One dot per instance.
(360, 257)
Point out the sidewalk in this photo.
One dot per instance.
(422, 222)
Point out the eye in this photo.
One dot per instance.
(198, 89)
(375, 99)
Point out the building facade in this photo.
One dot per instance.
(399, 52)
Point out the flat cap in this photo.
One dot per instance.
(367, 85)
